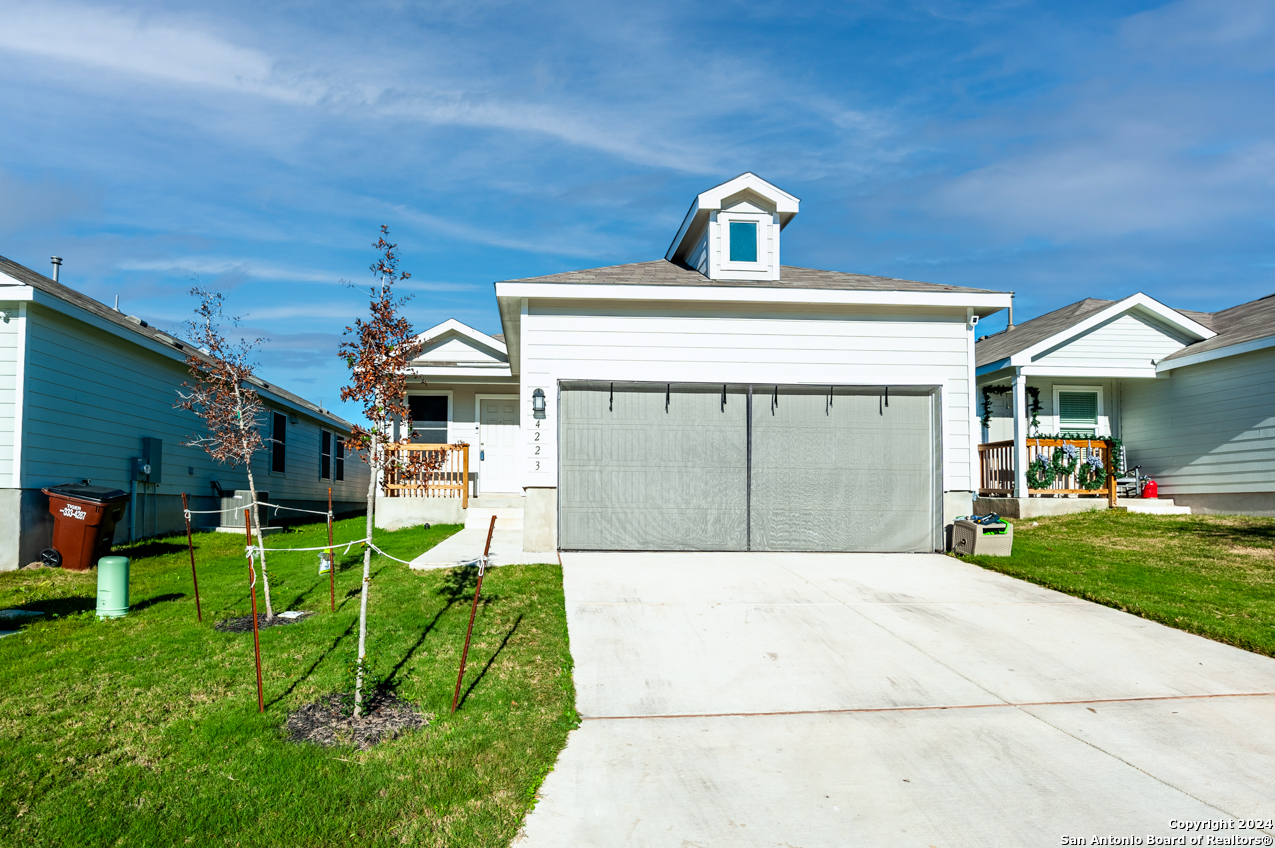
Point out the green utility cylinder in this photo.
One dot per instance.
(112, 587)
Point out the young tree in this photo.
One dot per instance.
(378, 357)
(223, 397)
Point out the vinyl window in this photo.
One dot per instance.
(279, 443)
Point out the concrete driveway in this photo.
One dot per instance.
(810, 700)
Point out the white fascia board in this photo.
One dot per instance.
(1091, 372)
(1216, 353)
(449, 373)
(451, 324)
(991, 301)
(998, 365)
(682, 230)
(1135, 301)
(785, 203)
(125, 334)
(16, 293)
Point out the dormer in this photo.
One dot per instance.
(732, 230)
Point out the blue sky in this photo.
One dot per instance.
(1060, 150)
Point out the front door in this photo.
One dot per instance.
(497, 444)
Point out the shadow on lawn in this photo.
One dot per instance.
(152, 549)
(62, 606)
(158, 599)
(458, 585)
(490, 663)
(1235, 534)
(309, 671)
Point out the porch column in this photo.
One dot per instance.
(1020, 434)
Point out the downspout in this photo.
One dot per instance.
(132, 507)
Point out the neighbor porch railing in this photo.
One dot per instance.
(996, 468)
(428, 471)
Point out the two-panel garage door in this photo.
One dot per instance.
(738, 467)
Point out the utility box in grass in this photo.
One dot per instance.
(983, 539)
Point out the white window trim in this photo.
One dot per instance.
(1103, 427)
(437, 393)
(724, 220)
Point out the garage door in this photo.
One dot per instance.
(738, 467)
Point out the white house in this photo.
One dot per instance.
(716, 399)
(1190, 394)
(86, 392)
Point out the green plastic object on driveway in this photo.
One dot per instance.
(112, 587)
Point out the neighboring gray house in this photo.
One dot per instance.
(85, 389)
(1191, 394)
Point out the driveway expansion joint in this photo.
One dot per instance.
(1004, 705)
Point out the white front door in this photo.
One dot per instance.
(497, 444)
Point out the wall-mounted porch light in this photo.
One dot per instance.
(538, 403)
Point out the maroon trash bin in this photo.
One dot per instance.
(84, 519)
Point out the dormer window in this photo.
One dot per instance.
(732, 230)
(743, 241)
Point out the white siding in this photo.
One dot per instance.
(9, 339)
(1129, 341)
(91, 397)
(743, 344)
(458, 349)
(699, 256)
(1207, 428)
(1002, 423)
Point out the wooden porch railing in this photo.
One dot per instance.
(446, 474)
(996, 467)
(996, 464)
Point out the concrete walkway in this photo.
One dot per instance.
(857, 699)
(466, 547)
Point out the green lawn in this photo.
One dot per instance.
(145, 731)
(1208, 574)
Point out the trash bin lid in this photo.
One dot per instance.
(85, 492)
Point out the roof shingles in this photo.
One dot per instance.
(661, 272)
(26, 276)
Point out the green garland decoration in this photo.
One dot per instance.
(1033, 406)
(1065, 461)
(1091, 477)
(1040, 473)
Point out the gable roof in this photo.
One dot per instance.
(662, 272)
(1062, 325)
(1238, 325)
(455, 328)
(1006, 343)
(1244, 325)
(175, 347)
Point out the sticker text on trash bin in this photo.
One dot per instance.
(73, 511)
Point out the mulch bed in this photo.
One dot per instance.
(243, 624)
(330, 721)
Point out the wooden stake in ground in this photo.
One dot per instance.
(464, 655)
(331, 559)
(252, 590)
(190, 542)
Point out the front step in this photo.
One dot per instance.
(507, 517)
(497, 501)
(1153, 506)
